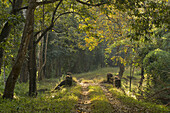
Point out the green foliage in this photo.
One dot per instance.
(157, 64)
(64, 48)
(145, 14)
(4, 12)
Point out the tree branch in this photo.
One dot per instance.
(26, 7)
(44, 32)
(46, 2)
(158, 92)
(10, 1)
(55, 10)
(51, 26)
(37, 33)
(64, 14)
(85, 3)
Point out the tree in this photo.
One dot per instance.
(27, 38)
(78, 6)
(27, 34)
(110, 27)
(157, 65)
(7, 27)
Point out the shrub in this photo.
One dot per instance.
(157, 65)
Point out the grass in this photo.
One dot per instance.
(128, 99)
(63, 101)
(60, 101)
(132, 103)
(99, 102)
(97, 74)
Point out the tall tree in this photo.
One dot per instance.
(16, 5)
(28, 38)
(27, 34)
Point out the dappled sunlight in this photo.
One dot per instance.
(86, 96)
(84, 56)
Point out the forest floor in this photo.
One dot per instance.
(114, 105)
(84, 103)
(88, 95)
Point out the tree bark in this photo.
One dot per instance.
(27, 35)
(40, 73)
(142, 77)
(42, 56)
(32, 68)
(24, 74)
(58, 67)
(121, 66)
(4, 73)
(122, 69)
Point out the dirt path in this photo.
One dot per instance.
(84, 102)
(84, 105)
(117, 105)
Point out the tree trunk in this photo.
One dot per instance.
(6, 30)
(4, 73)
(130, 81)
(142, 77)
(1, 58)
(32, 68)
(40, 73)
(58, 67)
(121, 66)
(24, 74)
(42, 56)
(27, 35)
(122, 69)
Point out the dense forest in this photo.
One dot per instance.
(43, 40)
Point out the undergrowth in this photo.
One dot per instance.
(59, 101)
(63, 101)
(132, 103)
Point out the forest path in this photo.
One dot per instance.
(84, 104)
(117, 105)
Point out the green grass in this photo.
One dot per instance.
(60, 101)
(129, 98)
(63, 101)
(132, 103)
(97, 74)
(99, 102)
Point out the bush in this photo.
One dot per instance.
(157, 65)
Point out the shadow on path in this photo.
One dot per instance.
(84, 104)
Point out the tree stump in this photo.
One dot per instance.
(117, 82)
(109, 78)
(68, 80)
